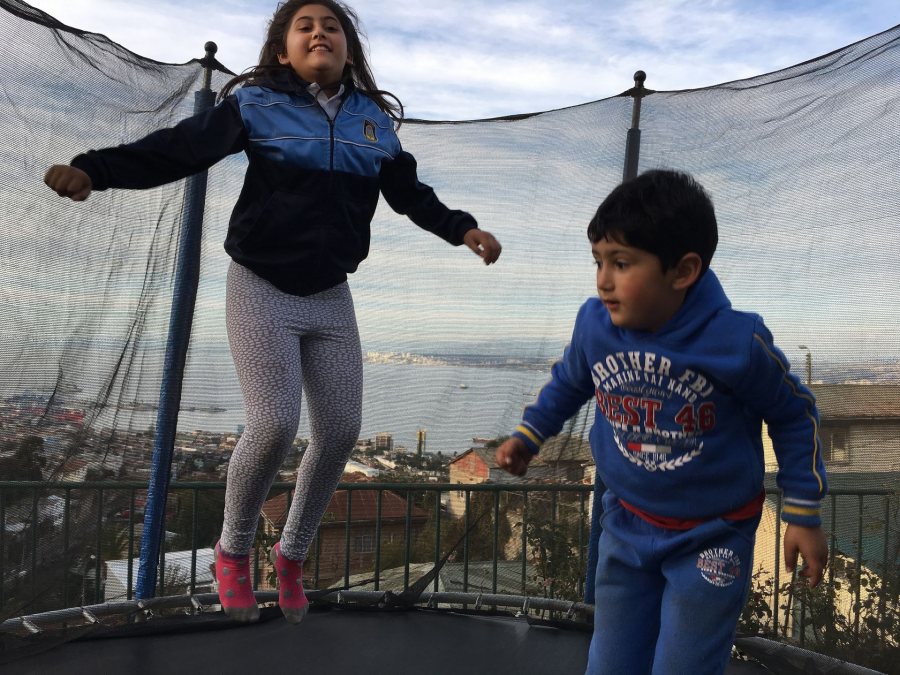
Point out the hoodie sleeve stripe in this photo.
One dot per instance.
(809, 415)
(803, 502)
(798, 511)
(533, 440)
(532, 435)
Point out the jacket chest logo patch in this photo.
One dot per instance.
(369, 131)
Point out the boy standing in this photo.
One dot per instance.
(682, 384)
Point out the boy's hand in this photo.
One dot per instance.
(811, 544)
(513, 456)
(67, 181)
(484, 244)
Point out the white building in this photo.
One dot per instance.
(177, 574)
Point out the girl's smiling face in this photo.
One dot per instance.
(315, 45)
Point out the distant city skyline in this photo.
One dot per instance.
(400, 400)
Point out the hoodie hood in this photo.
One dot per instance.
(705, 299)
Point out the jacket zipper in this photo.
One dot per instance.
(331, 123)
(331, 149)
(331, 134)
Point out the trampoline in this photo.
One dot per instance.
(344, 632)
(793, 154)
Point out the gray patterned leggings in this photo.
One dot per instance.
(281, 345)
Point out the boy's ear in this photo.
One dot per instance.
(687, 271)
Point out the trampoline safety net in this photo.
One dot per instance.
(802, 165)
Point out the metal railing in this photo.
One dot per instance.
(528, 539)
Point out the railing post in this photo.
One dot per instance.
(495, 542)
(857, 586)
(594, 540)
(66, 551)
(633, 140)
(407, 539)
(348, 527)
(3, 545)
(882, 601)
(437, 538)
(524, 542)
(378, 539)
(466, 542)
(832, 548)
(98, 560)
(187, 276)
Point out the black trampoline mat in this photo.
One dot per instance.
(334, 641)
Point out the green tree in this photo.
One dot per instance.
(553, 537)
(114, 543)
(868, 635)
(210, 507)
(25, 465)
(478, 532)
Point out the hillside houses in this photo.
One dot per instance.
(352, 523)
(563, 458)
(860, 428)
(860, 434)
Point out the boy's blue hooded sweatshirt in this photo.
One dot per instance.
(679, 411)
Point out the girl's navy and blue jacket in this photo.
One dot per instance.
(302, 221)
(679, 412)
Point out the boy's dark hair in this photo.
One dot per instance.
(356, 73)
(664, 212)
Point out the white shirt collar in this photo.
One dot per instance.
(329, 105)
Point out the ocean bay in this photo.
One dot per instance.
(452, 402)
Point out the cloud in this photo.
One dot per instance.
(534, 182)
(469, 59)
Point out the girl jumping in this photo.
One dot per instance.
(321, 144)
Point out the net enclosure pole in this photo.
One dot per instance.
(184, 296)
(632, 155)
(633, 139)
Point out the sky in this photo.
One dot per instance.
(471, 59)
(534, 182)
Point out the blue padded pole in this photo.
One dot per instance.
(187, 275)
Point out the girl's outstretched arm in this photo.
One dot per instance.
(164, 156)
(407, 195)
(67, 181)
(483, 244)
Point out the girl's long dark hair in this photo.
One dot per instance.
(357, 73)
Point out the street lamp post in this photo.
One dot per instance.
(808, 364)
